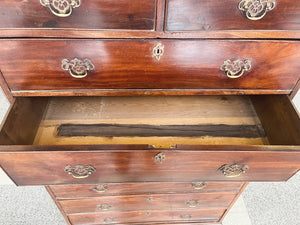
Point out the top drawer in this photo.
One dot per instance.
(79, 14)
(204, 15)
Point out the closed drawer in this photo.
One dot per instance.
(119, 65)
(92, 14)
(148, 202)
(122, 139)
(112, 189)
(196, 15)
(154, 216)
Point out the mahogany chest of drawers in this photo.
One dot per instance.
(149, 111)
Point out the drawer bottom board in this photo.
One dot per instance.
(159, 121)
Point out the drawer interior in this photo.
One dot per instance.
(161, 121)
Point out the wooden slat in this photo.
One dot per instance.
(143, 130)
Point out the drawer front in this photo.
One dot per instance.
(105, 189)
(115, 64)
(148, 202)
(196, 15)
(92, 14)
(80, 167)
(196, 215)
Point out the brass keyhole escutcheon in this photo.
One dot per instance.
(158, 51)
(159, 158)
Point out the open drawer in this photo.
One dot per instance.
(77, 140)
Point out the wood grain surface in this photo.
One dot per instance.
(92, 14)
(154, 216)
(266, 163)
(203, 15)
(189, 64)
(148, 202)
(116, 189)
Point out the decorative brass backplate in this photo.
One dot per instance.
(158, 51)
(108, 220)
(234, 170)
(160, 157)
(199, 185)
(77, 67)
(192, 203)
(186, 216)
(256, 9)
(101, 188)
(61, 8)
(104, 207)
(80, 171)
(236, 68)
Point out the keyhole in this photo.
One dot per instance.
(158, 51)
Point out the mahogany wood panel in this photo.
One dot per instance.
(199, 15)
(149, 202)
(92, 14)
(148, 216)
(45, 165)
(113, 189)
(22, 121)
(280, 119)
(188, 64)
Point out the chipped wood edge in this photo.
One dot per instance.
(295, 90)
(233, 201)
(48, 188)
(6, 89)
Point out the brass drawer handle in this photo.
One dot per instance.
(235, 68)
(199, 185)
(234, 170)
(256, 9)
(192, 203)
(186, 216)
(77, 67)
(101, 188)
(61, 8)
(104, 207)
(80, 171)
(109, 220)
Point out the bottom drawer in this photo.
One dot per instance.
(150, 216)
(80, 140)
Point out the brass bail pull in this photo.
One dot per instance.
(234, 170)
(256, 9)
(77, 67)
(80, 171)
(61, 8)
(235, 68)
